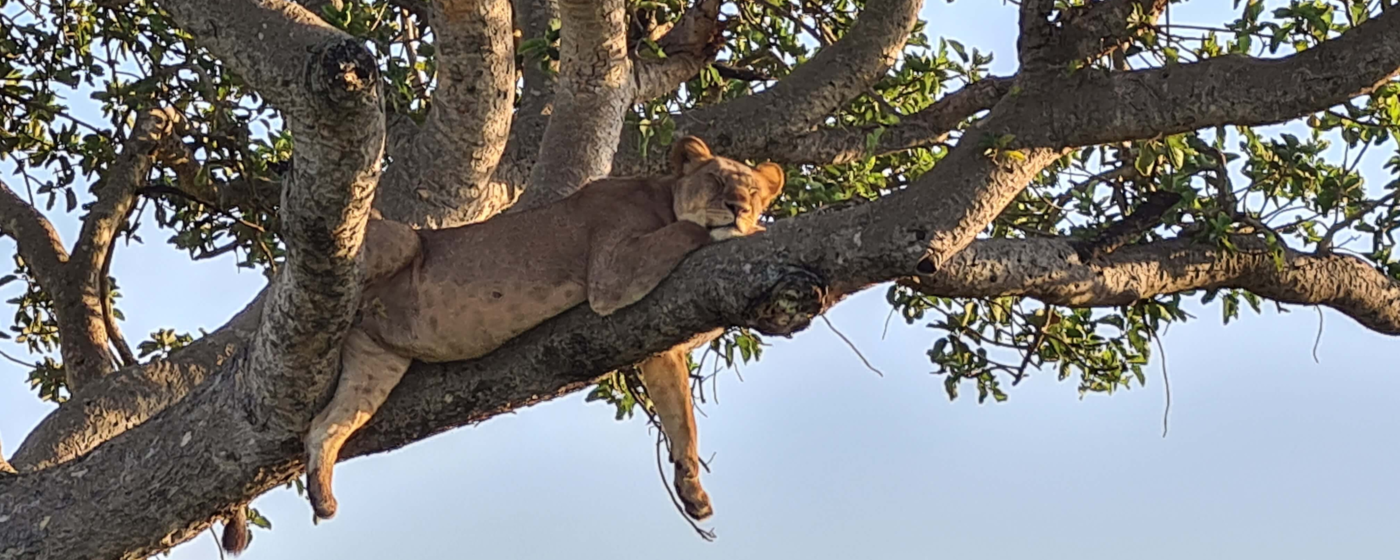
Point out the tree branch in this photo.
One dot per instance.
(1049, 270)
(925, 128)
(35, 238)
(441, 176)
(326, 85)
(1093, 30)
(797, 103)
(536, 101)
(688, 46)
(1037, 34)
(81, 301)
(1094, 107)
(595, 87)
(132, 395)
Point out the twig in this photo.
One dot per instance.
(742, 74)
(5, 355)
(1040, 336)
(1317, 341)
(109, 319)
(887, 323)
(1166, 381)
(155, 190)
(217, 545)
(852, 346)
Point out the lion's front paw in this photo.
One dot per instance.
(723, 233)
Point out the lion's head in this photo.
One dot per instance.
(725, 196)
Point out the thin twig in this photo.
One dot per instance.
(217, 545)
(154, 190)
(5, 355)
(887, 323)
(1166, 381)
(1317, 341)
(852, 346)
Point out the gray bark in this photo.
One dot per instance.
(595, 86)
(441, 175)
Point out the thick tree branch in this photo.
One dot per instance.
(326, 85)
(924, 128)
(264, 42)
(797, 103)
(441, 176)
(1037, 33)
(1049, 270)
(532, 17)
(77, 311)
(35, 238)
(832, 77)
(595, 87)
(1095, 107)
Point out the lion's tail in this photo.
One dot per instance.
(236, 531)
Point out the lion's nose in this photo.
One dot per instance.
(736, 208)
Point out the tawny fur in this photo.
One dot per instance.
(459, 293)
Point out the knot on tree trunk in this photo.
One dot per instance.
(345, 72)
(790, 304)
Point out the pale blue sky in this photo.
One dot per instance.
(1270, 455)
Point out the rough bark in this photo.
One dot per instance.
(594, 89)
(441, 174)
(326, 86)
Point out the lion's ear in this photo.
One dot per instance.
(689, 153)
(773, 174)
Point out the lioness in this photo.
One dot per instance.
(459, 293)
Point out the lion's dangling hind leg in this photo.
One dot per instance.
(368, 372)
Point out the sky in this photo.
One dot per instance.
(1269, 455)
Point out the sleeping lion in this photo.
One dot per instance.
(459, 293)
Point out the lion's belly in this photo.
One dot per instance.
(481, 285)
(450, 321)
(471, 326)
